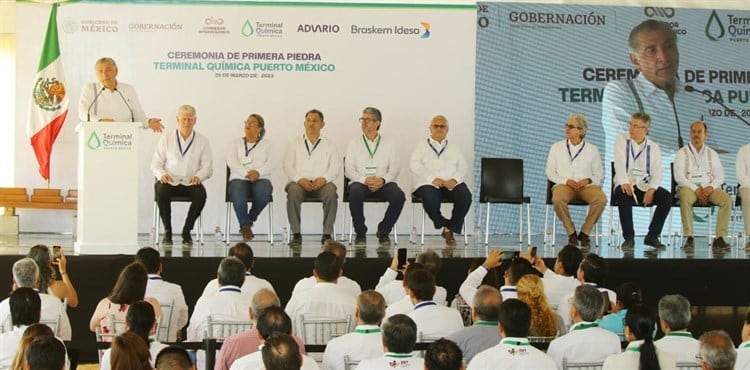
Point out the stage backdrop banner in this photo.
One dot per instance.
(230, 59)
(537, 64)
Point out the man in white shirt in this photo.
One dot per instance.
(585, 341)
(181, 162)
(372, 165)
(443, 355)
(394, 290)
(514, 350)
(325, 299)
(312, 165)
(562, 281)
(742, 171)
(592, 271)
(433, 321)
(280, 351)
(638, 174)
(25, 309)
(26, 275)
(399, 338)
(252, 283)
(699, 175)
(717, 351)
(483, 334)
(111, 100)
(339, 250)
(743, 350)
(250, 168)
(366, 341)
(575, 167)
(674, 318)
(164, 292)
(439, 171)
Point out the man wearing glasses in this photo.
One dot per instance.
(575, 168)
(372, 165)
(439, 170)
(638, 173)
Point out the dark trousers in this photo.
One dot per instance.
(432, 197)
(662, 202)
(164, 194)
(390, 192)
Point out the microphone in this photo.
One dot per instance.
(132, 117)
(690, 88)
(88, 113)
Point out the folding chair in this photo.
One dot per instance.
(164, 331)
(228, 223)
(156, 222)
(350, 364)
(582, 365)
(221, 329)
(320, 330)
(688, 366)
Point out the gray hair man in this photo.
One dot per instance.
(399, 338)
(674, 318)
(483, 334)
(717, 351)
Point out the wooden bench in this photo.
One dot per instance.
(12, 198)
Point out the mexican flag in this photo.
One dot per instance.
(49, 98)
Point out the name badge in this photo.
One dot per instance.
(370, 170)
(637, 172)
(247, 163)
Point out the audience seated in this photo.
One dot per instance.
(743, 351)
(174, 358)
(641, 352)
(585, 341)
(674, 318)
(628, 295)
(561, 280)
(25, 309)
(140, 320)
(31, 332)
(48, 284)
(403, 305)
(717, 351)
(339, 250)
(517, 269)
(163, 291)
(443, 355)
(130, 352)
(281, 352)
(393, 290)
(433, 321)
(252, 283)
(483, 334)
(46, 353)
(476, 277)
(592, 271)
(366, 341)
(544, 321)
(514, 350)
(399, 338)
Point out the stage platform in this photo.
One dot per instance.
(716, 283)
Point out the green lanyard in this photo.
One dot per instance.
(486, 323)
(586, 326)
(377, 145)
(367, 331)
(679, 334)
(515, 341)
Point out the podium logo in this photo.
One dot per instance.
(94, 143)
(714, 27)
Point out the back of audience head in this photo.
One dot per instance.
(570, 258)
(130, 352)
(674, 312)
(639, 325)
(335, 247)
(141, 318)
(262, 299)
(131, 284)
(327, 267)
(422, 284)
(443, 354)
(25, 306)
(629, 294)
(518, 268)
(399, 333)
(41, 255)
(244, 253)
(31, 333)
(25, 273)
(149, 257)
(486, 303)
(273, 319)
(514, 318)
(594, 269)
(281, 352)
(231, 272)
(588, 302)
(371, 307)
(430, 260)
(492, 278)
(716, 350)
(174, 358)
(531, 291)
(45, 353)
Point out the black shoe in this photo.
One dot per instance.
(585, 240)
(719, 243)
(573, 239)
(186, 238)
(689, 243)
(653, 241)
(324, 238)
(629, 243)
(360, 240)
(167, 239)
(384, 240)
(296, 240)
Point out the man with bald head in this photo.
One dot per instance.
(439, 171)
(483, 334)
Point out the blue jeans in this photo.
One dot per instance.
(243, 191)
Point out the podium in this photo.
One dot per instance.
(107, 188)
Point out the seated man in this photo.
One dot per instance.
(164, 291)
(399, 338)
(366, 340)
(562, 281)
(575, 167)
(717, 351)
(514, 351)
(339, 250)
(699, 176)
(743, 351)
(674, 318)
(439, 171)
(140, 320)
(174, 358)
(250, 169)
(394, 290)
(585, 341)
(433, 321)
(638, 173)
(312, 164)
(181, 162)
(25, 309)
(281, 352)
(443, 355)
(742, 164)
(591, 271)
(46, 353)
(372, 166)
(483, 334)
(252, 283)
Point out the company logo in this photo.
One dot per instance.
(213, 26)
(426, 34)
(110, 141)
(48, 93)
(555, 20)
(737, 28)
(397, 30)
(70, 25)
(154, 27)
(714, 27)
(262, 29)
(657, 12)
(93, 143)
(318, 28)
